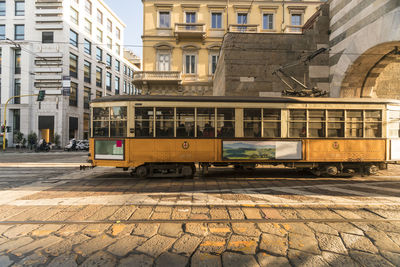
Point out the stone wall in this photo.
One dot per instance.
(247, 61)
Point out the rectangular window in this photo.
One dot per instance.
(109, 150)
(2, 8)
(87, 47)
(108, 81)
(88, 6)
(216, 20)
(87, 71)
(394, 123)
(354, 123)
(297, 123)
(17, 61)
(164, 19)
(2, 32)
(125, 87)
(117, 65)
(205, 122)
(17, 91)
(88, 26)
(101, 121)
(86, 97)
(1, 60)
(226, 122)
(99, 17)
(99, 36)
(117, 49)
(373, 123)
(109, 25)
(109, 42)
(272, 122)
(99, 77)
(214, 61)
(118, 33)
(74, 16)
(190, 17)
(164, 122)
(99, 94)
(190, 64)
(99, 54)
(125, 69)
(47, 37)
(73, 38)
(116, 88)
(296, 20)
(19, 8)
(268, 21)
(185, 122)
(19, 32)
(73, 65)
(251, 122)
(316, 123)
(108, 60)
(335, 123)
(144, 119)
(242, 18)
(73, 97)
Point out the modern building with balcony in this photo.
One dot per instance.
(71, 49)
(182, 39)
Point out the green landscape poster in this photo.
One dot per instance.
(254, 150)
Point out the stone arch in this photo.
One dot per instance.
(361, 59)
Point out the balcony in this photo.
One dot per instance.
(162, 77)
(190, 31)
(243, 28)
(293, 29)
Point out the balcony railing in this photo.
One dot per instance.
(190, 30)
(244, 28)
(293, 29)
(157, 76)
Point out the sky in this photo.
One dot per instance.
(131, 13)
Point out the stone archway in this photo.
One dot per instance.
(364, 55)
(372, 71)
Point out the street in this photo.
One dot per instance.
(53, 214)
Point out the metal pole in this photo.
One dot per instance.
(5, 117)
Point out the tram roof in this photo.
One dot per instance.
(168, 98)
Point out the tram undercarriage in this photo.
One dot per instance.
(187, 170)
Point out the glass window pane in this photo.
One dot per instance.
(185, 122)
(226, 122)
(205, 122)
(118, 128)
(316, 115)
(272, 114)
(113, 150)
(373, 129)
(336, 115)
(298, 114)
(373, 115)
(101, 114)
(354, 129)
(252, 129)
(335, 129)
(165, 122)
(144, 122)
(100, 128)
(354, 115)
(316, 129)
(119, 113)
(297, 129)
(252, 114)
(272, 129)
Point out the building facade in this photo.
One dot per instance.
(182, 39)
(71, 49)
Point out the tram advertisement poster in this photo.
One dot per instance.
(261, 150)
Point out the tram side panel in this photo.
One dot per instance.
(369, 150)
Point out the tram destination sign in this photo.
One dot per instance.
(261, 150)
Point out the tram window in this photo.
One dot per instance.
(118, 128)
(272, 122)
(252, 122)
(316, 123)
(335, 123)
(354, 125)
(144, 122)
(226, 122)
(118, 113)
(205, 122)
(100, 114)
(185, 122)
(394, 123)
(297, 124)
(165, 122)
(373, 123)
(100, 128)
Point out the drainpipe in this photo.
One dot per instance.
(283, 16)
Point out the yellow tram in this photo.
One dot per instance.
(168, 135)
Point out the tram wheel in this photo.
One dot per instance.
(187, 171)
(371, 169)
(332, 170)
(141, 171)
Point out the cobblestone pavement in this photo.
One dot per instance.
(103, 217)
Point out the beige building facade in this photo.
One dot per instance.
(182, 39)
